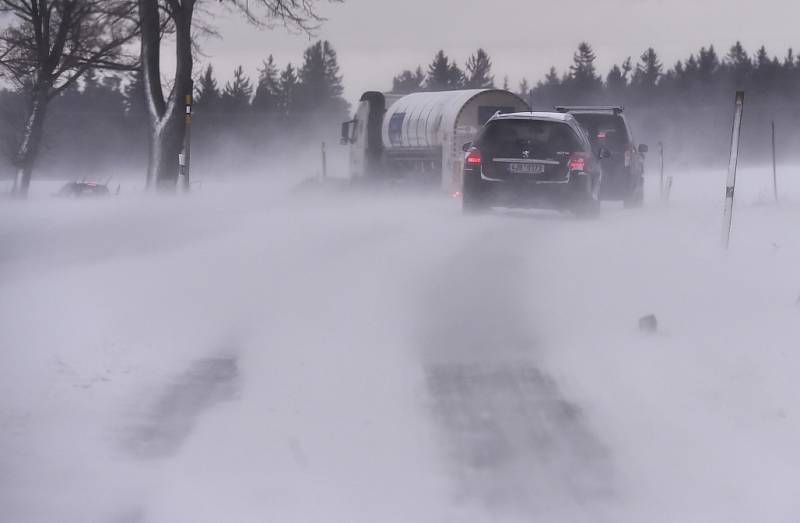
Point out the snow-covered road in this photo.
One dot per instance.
(368, 357)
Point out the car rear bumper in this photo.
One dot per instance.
(522, 193)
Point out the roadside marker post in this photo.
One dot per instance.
(732, 163)
(324, 162)
(661, 176)
(667, 190)
(774, 167)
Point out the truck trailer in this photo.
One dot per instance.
(419, 136)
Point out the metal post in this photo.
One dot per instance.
(661, 175)
(324, 163)
(667, 189)
(732, 163)
(17, 183)
(774, 167)
(187, 139)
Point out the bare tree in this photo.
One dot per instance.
(47, 46)
(166, 110)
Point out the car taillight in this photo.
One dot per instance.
(628, 155)
(473, 157)
(577, 162)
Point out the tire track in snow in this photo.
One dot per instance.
(513, 442)
(172, 418)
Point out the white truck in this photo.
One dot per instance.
(420, 135)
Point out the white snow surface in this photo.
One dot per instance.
(248, 354)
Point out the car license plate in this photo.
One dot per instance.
(527, 168)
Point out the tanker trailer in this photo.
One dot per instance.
(419, 136)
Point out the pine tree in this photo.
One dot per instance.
(789, 60)
(707, 64)
(237, 94)
(549, 90)
(524, 89)
(766, 71)
(648, 72)
(320, 82)
(738, 59)
(616, 82)
(408, 81)
(583, 78)
(739, 65)
(267, 96)
(479, 68)
(689, 71)
(208, 96)
(287, 91)
(443, 75)
(551, 78)
(627, 67)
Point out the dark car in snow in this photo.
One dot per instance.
(83, 190)
(623, 170)
(532, 159)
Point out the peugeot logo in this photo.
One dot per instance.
(526, 154)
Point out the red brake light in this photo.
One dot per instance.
(577, 162)
(473, 157)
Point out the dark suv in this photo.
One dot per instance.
(532, 160)
(623, 170)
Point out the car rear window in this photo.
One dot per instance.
(542, 138)
(606, 130)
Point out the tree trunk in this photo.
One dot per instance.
(166, 142)
(165, 115)
(31, 140)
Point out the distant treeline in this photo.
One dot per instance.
(688, 106)
(100, 124)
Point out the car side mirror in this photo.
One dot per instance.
(643, 148)
(604, 153)
(466, 146)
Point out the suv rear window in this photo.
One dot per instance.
(606, 130)
(544, 139)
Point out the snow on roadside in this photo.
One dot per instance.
(700, 417)
(105, 304)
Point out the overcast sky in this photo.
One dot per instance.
(375, 39)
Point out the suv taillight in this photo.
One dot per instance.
(577, 162)
(473, 157)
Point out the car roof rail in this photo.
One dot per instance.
(616, 109)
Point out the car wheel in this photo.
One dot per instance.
(473, 196)
(636, 198)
